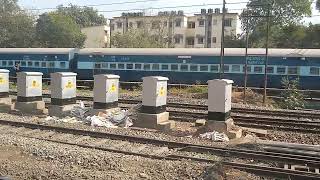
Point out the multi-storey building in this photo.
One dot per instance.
(97, 36)
(199, 31)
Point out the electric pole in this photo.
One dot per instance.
(222, 40)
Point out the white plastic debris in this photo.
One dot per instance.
(215, 136)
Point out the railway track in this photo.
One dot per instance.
(161, 149)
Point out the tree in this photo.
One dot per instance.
(292, 98)
(59, 31)
(17, 26)
(235, 41)
(291, 36)
(282, 13)
(83, 16)
(150, 35)
(318, 5)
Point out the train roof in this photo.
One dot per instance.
(202, 51)
(36, 50)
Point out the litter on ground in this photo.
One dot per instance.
(215, 136)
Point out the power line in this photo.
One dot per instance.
(139, 1)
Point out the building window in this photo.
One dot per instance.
(190, 41)
(137, 66)
(270, 70)
(164, 66)
(314, 71)
(194, 68)
(130, 24)
(214, 68)
(191, 25)
(292, 70)
(174, 67)
(281, 70)
(214, 40)
(146, 67)
(204, 68)
(257, 69)
(177, 40)
(139, 24)
(43, 64)
(235, 68)
(119, 25)
(200, 40)
(112, 27)
(228, 22)
(178, 23)
(155, 66)
(201, 23)
(214, 22)
(129, 66)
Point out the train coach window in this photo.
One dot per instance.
(204, 68)
(37, 64)
(193, 67)
(129, 66)
(51, 64)
(4, 63)
(155, 66)
(257, 69)
(174, 67)
(184, 67)
(120, 66)
(214, 68)
(137, 66)
(146, 66)
(23, 64)
(10, 63)
(62, 64)
(43, 64)
(248, 69)
(226, 68)
(270, 70)
(235, 68)
(164, 66)
(97, 66)
(314, 71)
(281, 70)
(113, 66)
(30, 63)
(292, 70)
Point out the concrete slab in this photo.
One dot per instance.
(5, 105)
(35, 107)
(60, 111)
(6, 100)
(200, 122)
(220, 126)
(154, 121)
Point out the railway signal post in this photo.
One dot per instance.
(105, 92)
(29, 99)
(219, 108)
(153, 112)
(63, 93)
(5, 100)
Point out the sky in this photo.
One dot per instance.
(110, 11)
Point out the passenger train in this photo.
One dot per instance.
(179, 65)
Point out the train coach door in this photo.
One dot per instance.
(97, 64)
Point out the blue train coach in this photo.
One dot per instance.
(45, 60)
(199, 65)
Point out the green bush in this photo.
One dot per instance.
(292, 97)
